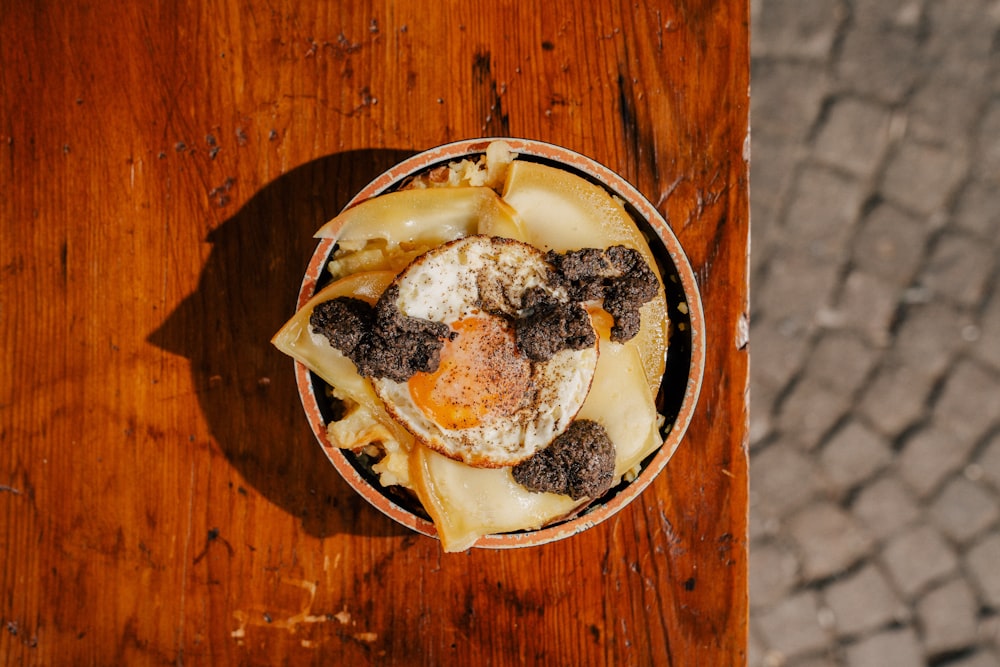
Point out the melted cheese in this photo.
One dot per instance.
(467, 503)
(618, 401)
(428, 217)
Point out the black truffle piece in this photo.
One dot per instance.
(403, 345)
(582, 272)
(381, 341)
(579, 463)
(618, 275)
(550, 326)
(626, 295)
(344, 321)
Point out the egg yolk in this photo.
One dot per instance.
(601, 320)
(481, 373)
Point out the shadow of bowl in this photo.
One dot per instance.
(245, 387)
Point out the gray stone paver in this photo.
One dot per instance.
(785, 479)
(988, 463)
(890, 244)
(853, 454)
(989, 631)
(822, 208)
(987, 343)
(931, 456)
(773, 573)
(799, 286)
(891, 648)
(947, 615)
(978, 209)
(867, 304)
(929, 337)
(875, 333)
(918, 557)
(886, 506)
(959, 269)
(920, 176)
(789, 29)
(933, 115)
(988, 143)
(841, 360)
(779, 350)
(762, 393)
(896, 397)
(961, 35)
(888, 14)
(855, 136)
(812, 661)
(755, 649)
(772, 176)
(789, 96)
(792, 626)
(964, 509)
(864, 601)
(982, 561)
(893, 50)
(829, 539)
(810, 410)
(970, 401)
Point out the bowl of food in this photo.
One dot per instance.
(498, 342)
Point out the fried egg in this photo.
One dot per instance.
(486, 405)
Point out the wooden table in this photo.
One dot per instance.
(162, 169)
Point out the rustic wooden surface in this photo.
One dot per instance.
(162, 169)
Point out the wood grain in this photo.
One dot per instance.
(163, 166)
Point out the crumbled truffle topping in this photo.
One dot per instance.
(381, 341)
(384, 343)
(579, 463)
(619, 276)
(550, 325)
(344, 321)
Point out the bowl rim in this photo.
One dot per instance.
(611, 181)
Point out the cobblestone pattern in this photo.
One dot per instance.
(875, 333)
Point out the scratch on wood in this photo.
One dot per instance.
(184, 561)
(487, 93)
(213, 535)
(659, 31)
(626, 112)
(10, 489)
(64, 261)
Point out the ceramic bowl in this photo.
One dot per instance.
(685, 358)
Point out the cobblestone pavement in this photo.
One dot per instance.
(875, 429)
